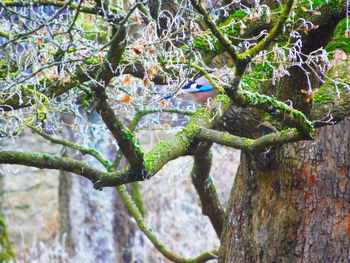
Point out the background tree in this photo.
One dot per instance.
(102, 63)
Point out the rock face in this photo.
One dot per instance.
(97, 229)
(30, 199)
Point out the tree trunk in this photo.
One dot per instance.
(298, 209)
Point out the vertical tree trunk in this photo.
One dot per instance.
(298, 210)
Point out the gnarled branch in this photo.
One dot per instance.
(205, 187)
(249, 145)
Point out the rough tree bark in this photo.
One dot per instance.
(296, 211)
(291, 204)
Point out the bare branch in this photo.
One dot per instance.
(66, 4)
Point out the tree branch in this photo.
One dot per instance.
(331, 12)
(208, 77)
(48, 161)
(75, 146)
(125, 138)
(54, 89)
(66, 4)
(132, 126)
(169, 150)
(249, 145)
(274, 107)
(224, 41)
(275, 31)
(134, 212)
(205, 187)
(143, 112)
(121, 133)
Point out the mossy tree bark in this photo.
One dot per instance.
(291, 203)
(297, 210)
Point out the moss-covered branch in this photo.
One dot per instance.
(54, 89)
(224, 41)
(275, 31)
(211, 205)
(169, 150)
(125, 138)
(208, 77)
(134, 212)
(48, 161)
(249, 145)
(275, 108)
(73, 145)
(137, 212)
(4, 34)
(143, 112)
(137, 196)
(332, 12)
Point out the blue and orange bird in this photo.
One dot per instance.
(200, 90)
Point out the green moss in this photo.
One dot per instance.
(209, 42)
(165, 150)
(272, 105)
(325, 95)
(138, 198)
(248, 141)
(228, 138)
(224, 99)
(189, 133)
(5, 257)
(286, 131)
(315, 4)
(92, 61)
(201, 116)
(6, 253)
(340, 41)
(159, 152)
(129, 135)
(95, 27)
